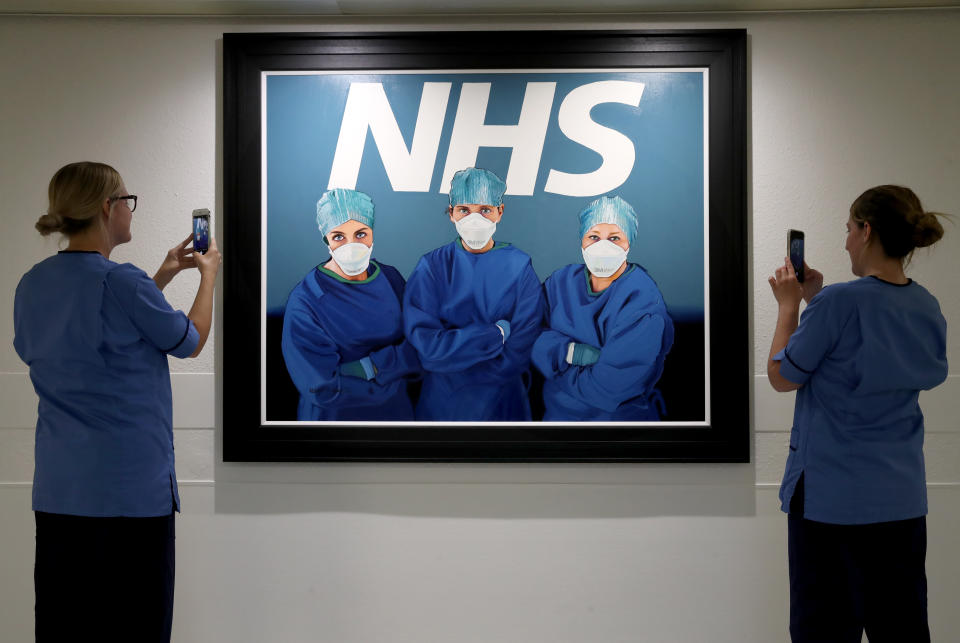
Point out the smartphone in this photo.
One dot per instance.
(201, 230)
(795, 252)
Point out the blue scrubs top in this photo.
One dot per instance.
(628, 322)
(862, 352)
(453, 300)
(96, 336)
(329, 321)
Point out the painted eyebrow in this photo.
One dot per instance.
(363, 229)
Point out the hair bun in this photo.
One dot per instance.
(927, 230)
(49, 223)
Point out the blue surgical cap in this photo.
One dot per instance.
(476, 185)
(340, 205)
(610, 210)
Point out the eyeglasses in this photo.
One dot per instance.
(131, 200)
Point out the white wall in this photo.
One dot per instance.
(360, 553)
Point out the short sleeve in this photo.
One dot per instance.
(818, 332)
(168, 330)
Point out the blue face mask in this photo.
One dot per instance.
(353, 258)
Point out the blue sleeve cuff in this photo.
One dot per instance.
(188, 343)
(789, 369)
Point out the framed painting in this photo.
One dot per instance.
(529, 250)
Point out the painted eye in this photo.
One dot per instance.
(594, 237)
(614, 238)
(337, 237)
(360, 235)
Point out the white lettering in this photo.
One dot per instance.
(367, 106)
(525, 138)
(616, 149)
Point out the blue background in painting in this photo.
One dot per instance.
(665, 186)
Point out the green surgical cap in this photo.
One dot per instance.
(340, 205)
(476, 185)
(610, 210)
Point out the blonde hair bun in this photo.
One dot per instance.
(80, 189)
(49, 224)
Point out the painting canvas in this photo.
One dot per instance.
(635, 133)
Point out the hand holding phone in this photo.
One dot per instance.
(795, 252)
(201, 230)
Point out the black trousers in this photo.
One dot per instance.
(104, 579)
(845, 579)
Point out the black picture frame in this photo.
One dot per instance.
(724, 438)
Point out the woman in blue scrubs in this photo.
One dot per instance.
(96, 336)
(854, 486)
(608, 328)
(342, 328)
(473, 309)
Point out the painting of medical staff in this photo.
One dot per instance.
(472, 309)
(501, 198)
(608, 330)
(343, 341)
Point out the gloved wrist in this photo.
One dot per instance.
(584, 355)
(361, 368)
(352, 369)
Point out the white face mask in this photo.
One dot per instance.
(603, 258)
(476, 230)
(353, 258)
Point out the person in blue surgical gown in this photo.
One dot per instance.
(473, 309)
(343, 340)
(609, 330)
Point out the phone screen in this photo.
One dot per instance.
(201, 232)
(795, 252)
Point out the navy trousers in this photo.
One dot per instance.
(104, 579)
(847, 579)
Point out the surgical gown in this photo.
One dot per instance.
(329, 321)
(452, 302)
(628, 322)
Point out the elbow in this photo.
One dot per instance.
(198, 349)
(778, 381)
(781, 387)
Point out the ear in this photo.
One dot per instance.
(867, 231)
(450, 214)
(499, 213)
